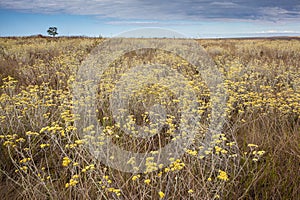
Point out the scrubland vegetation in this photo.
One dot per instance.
(256, 156)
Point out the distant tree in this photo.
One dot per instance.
(52, 31)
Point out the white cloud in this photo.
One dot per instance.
(128, 9)
(278, 31)
(225, 4)
(152, 33)
(272, 11)
(278, 14)
(164, 10)
(152, 23)
(134, 23)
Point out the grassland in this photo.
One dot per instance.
(257, 155)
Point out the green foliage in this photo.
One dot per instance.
(52, 31)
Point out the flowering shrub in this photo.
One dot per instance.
(43, 153)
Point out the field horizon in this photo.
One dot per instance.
(280, 37)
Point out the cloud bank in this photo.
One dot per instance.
(265, 10)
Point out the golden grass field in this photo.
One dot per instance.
(256, 156)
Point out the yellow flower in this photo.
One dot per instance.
(159, 174)
(24, 168)
(20, 140)
(218, 149)
(89, 167)
(62, 132)
(8, 143)
(72, 182)
(79, 142)
(92, 167)
(177, 165)
(260, 153)
(191, 152)
(147, 181)
(230, 144)
(252, 145)
(117, 192)
(135, 177)
(66, 161)
(223, 176)
(44, 145)
(224, 151)
(190, 191)
(161, 194)
(31, 133)
(75, 176)
(25, 160)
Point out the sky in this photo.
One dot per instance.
(192, 18)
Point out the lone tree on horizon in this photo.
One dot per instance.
(52, 31)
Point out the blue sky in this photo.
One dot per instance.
(193, 18)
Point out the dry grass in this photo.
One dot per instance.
(43, 157)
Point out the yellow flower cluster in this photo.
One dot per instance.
(219, 150)
(135, 177)
(73, 181)
(223, 176)
(25, 160)
(161, 194)
(114, 190)
(89, 167)
(37, 111)
(147, 181)
(177, 165)
(192, 152)
(66, 161)
(44, 145)
(150, 165)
